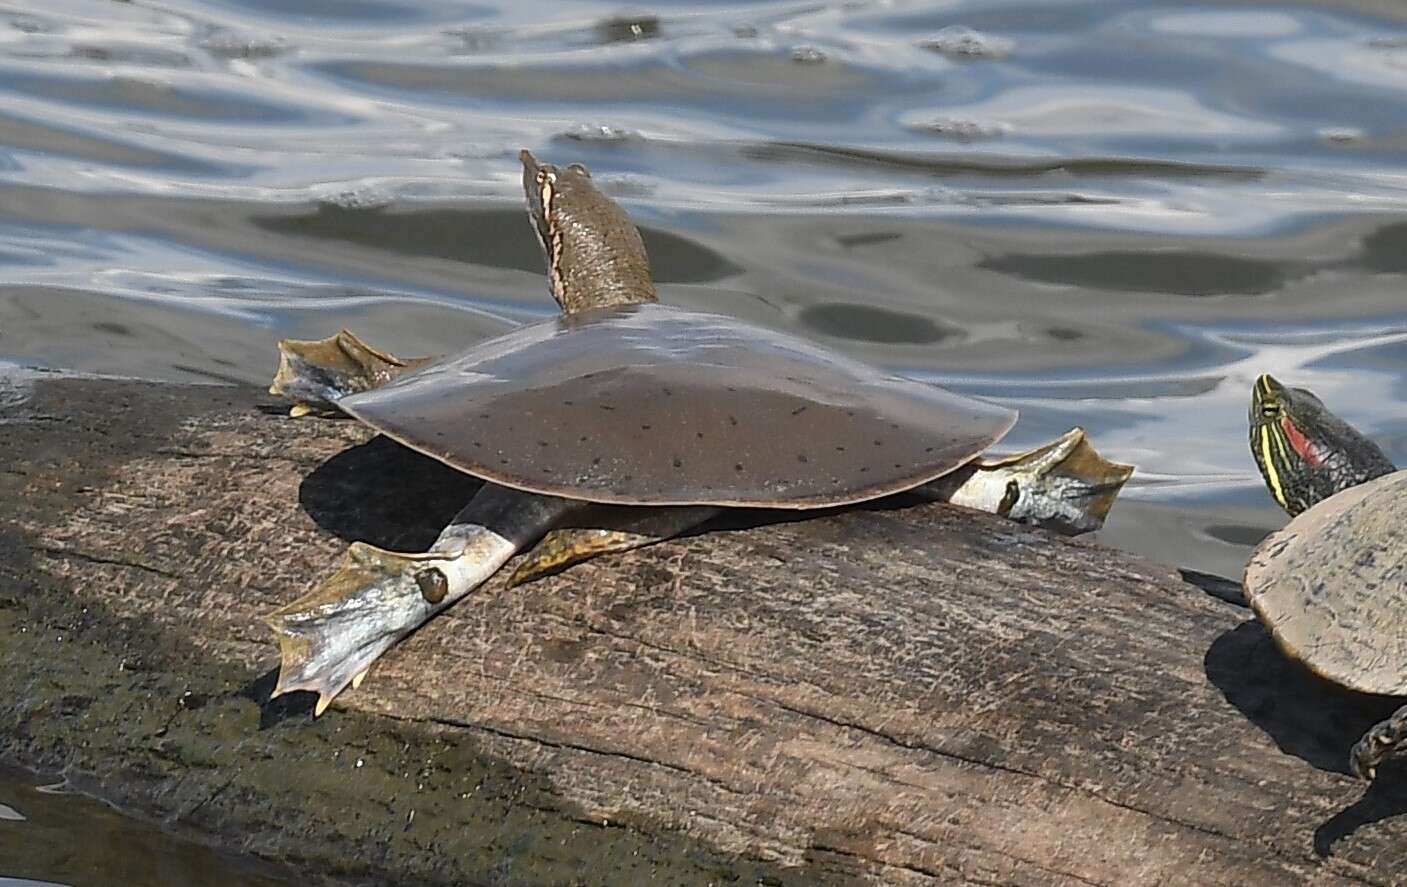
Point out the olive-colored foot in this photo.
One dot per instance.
(561, 549)
(1385, 740)
(622, 529)
(316, 373)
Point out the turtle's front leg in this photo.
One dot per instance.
(316, 373)
(1387, 739)
(329, 637)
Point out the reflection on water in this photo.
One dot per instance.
(72, 841)
(1181, 273)
(1111, 214)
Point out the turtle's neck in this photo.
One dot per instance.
(603, 261)
(595, 256)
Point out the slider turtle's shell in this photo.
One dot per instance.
(653, 405)
(1332, 586)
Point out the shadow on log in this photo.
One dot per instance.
(383, 493)
(1305, 715)
(919, 695)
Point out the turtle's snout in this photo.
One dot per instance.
(1266, 399)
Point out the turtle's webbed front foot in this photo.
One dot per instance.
(1385, 740)
(329, 637)
(316, 373)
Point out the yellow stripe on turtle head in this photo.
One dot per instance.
(1267, 463)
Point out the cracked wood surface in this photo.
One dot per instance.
(908, 695)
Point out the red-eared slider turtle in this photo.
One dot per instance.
(663, 414)
(1330, 586)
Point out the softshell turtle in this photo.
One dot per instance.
(1331, 586)
(623, 422)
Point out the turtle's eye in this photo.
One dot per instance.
(1269, 410)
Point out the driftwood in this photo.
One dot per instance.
(908, 695)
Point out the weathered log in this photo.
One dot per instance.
(912, 695)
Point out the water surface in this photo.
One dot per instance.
(51, 837)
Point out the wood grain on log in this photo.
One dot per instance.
(907, 695)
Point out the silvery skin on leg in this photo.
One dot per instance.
(1065, 485)
(329, 637)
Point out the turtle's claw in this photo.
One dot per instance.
(316, 373)
(329, 637)
(1384, 740)
(1358, 762)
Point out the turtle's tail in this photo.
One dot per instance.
(330, 637)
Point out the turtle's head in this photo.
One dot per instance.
(1306, 453)
(595, 257)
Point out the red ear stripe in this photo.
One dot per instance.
(1301, 444)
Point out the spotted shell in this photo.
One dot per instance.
(654, 405)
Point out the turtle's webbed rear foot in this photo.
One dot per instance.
(1066, 485)
(329, 637)
(316, 373)
(1385, 740)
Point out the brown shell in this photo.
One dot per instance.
(653, 405)
(1332, 586)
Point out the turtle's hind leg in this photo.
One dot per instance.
(1387, 739)
(316, 373)
(611, 529)
(329, 637)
